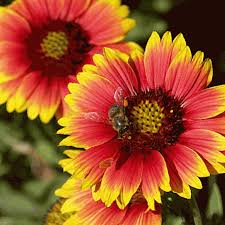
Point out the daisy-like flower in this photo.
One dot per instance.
(44, 43)
(86, 211)
(147, 121)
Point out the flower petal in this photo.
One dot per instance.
(36, 12)
(114, 66)
(90, 165)
(186, 76)
(73, 9)
(8, 89)
(205, 142)
(76, 199)
(97, 213)
(13, 62)
(87, 95)
(105, 22)
(126, 47)
(206, 104)
(51, 101)
(85, 132)
(12, 23)
(137, 215)
(35, 101)
(137, 62)
(64, 109)
(214, 124)
(68, 163)
(69, 188)
(189, 165)
(122, 182)
(158, 56)
(88, 212)
(177, 184)
(26, 88)
(155, 177)
(76, 202)
(215, 167)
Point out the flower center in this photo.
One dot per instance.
(155, 121)
(55, 45)
(147, 116)
(58, 48)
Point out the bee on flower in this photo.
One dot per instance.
(173, 125)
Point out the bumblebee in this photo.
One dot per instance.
(119, 119)
(116, 114)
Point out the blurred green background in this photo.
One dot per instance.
(29, 173)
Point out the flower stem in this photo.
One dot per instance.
(195, 211)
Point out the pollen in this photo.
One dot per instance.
(147, 116)
(55, 45)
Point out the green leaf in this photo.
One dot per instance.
(36, 188)
(162, 6)
(47, 151)
(146, 23)
(44, 188)
(16, 221)
(174, 220)
(17, 204)
(215, 204)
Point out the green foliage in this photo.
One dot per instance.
(214, 212)
(174, 220)
(146, 23)
(148, 19)
(29, 168)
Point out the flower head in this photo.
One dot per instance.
(147, 121)
(44, 43)
(86, 211)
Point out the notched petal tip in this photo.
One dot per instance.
(123, 11)
(112, 54)
(128, 24)
(179, 41)
(134, 46)
(198, 57)
(89, 68)
(153, 41)
(32, 112)
(184, 56)
(11, 104)
(136, 53)
(72, 87)
(98, 59)
(208, 68)
(167, 39)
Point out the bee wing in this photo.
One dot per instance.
(119, 96)
(95, 116)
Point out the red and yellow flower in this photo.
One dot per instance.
(86, 211)
(148, 123)
(43, 43)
